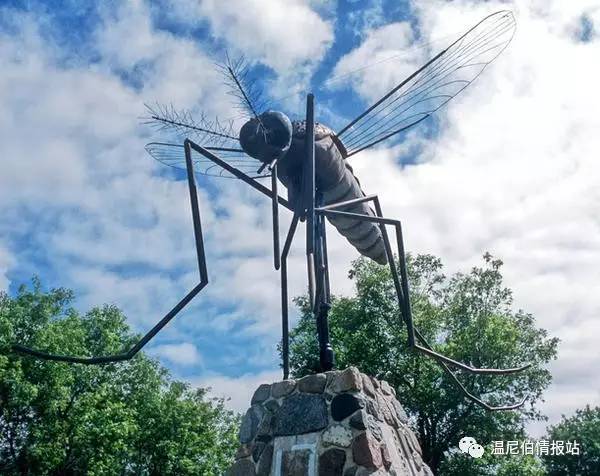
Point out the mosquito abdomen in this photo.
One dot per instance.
(337, 183)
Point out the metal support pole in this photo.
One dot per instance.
(325, 260)
(321, 311)
(275, 211)
(285, 337)
(315, 254)
(309, 195)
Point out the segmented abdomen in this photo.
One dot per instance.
(363, 235)
(337, 183)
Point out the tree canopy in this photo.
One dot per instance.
(113, 419)
(584, 429)
(468, 317)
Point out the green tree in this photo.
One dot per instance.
(584, 428)
(114, 419)
(468, 317)
(492, 465)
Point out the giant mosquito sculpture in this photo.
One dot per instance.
(310, 161)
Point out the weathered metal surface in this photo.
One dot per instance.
(336, 182)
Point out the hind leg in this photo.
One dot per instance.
(416, 341)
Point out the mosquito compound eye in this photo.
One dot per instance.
(252, 139)
(278, 129)
(267, 136)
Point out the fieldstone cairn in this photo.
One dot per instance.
(339, 423)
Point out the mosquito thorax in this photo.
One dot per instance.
(267, 136)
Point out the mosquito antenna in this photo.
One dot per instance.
(249, 96)
(163, 117)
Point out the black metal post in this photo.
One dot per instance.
(325, 260)
(309, 195)
(322, 306)
(275, 211)
(318, 288)
(285, 337)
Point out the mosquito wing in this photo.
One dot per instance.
(431, 86)
(214, 135)
(173, 155)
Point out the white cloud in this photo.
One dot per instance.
(514, 171)
(185, 353)
(276, 34)
(171, 69)
(90, 201)
(380, 47)
(6, 261)
(238, 390)
(78, 182)
(372, 15)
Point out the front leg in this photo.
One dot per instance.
(201, 257)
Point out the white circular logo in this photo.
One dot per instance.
(465, 442)
(476, 450)
(469, 446)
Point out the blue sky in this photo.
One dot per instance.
(507, 168)
(71, 30)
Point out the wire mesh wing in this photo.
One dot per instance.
(173, 155)
(431, 86)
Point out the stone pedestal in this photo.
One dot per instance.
(339, 423)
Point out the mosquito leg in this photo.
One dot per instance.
(255, 184)
(280, 261)
(469, 395)
(202, 269)
(275, 213)
(401, 287)
(285, 338)
(404, 302)
(426, 349)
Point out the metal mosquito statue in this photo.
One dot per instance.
(310, 160)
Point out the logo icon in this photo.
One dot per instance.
(468, 445)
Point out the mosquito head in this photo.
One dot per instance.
(267, 136)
